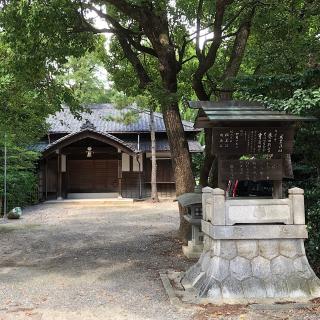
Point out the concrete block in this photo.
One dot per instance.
(247, 248)
(269, 285)
(259, 211)
(280, 287)
(207, 190)
(289, 247)
(302, 268)
(297, 287)
(240, 268)
(214, 291)
(219, 268)
(205, 260)
(207, 242)
(218, 191)
(231, 288)
(210, 288)
(282, 266)
(253, 288)
(314, 286)
(218, 211)
(225, 248)
(254, 231)
(269, 248)
(206, 206)
(296, 195)
(261, 268)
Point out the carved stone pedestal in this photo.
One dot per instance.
(232, 271)
(263, 259)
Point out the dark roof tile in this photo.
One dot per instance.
(65, 122)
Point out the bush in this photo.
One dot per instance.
(22, 181)
(313, 243)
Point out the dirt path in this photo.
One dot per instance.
(73, 262)
(63, 262)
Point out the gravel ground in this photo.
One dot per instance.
(77, 262)
(81, 263)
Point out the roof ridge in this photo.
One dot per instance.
(106, 134)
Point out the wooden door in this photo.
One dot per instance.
(92, 175)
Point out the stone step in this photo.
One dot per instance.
(94, 202)
(93, 195)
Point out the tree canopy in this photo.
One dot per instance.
(171, 49)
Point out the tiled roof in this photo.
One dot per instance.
(107, 135)
(65, 122)
(162, 144)
(239, 111)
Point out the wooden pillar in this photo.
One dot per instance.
(46, 178)
(59, 186)
(120, 178)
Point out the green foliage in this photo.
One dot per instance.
(298, 94)
(22, 180)
(313, 244)
(197, 161)
(35, 40)
(36, 37)
(84, 77)
(130, 107)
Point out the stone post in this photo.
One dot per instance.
(206, 200)
(218, 217)
(296, 195)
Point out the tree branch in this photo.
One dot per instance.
(249, 4)
(237, 52)
(127, 33)
(188, 59)
(130, 10)
(207, 62)
(198, 25)
(135, 61)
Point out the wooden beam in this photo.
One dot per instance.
(59, 187)
(120, 177)
(46, 178)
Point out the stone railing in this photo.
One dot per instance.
(253, 250)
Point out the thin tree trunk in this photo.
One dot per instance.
(154, 191)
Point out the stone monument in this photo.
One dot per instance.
(253, 247)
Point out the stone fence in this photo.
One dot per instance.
(253, 250)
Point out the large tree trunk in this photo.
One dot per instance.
(154, 191)
(156, 28)
(181, 160)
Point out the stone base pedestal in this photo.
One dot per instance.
(232, 271)
(192, 250)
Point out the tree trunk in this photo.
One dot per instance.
(208, 158)
(181, 161)
(154, 191)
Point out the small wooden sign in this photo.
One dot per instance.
(253, 170)
(255, 140)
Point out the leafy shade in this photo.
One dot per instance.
(22, 181)
(86, 78)
(32, 53)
